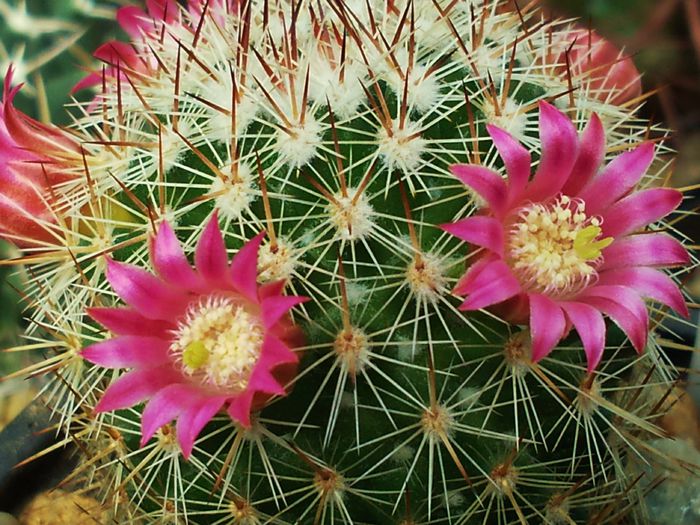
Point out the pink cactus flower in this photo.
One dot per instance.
(137, 22)
(34, 160)
(610, 75)
(158, 20)
(216, 8)
(568, 246)
(123, 58)
(196, 340)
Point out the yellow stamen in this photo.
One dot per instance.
(553, 247)
(218, 343)
(585, 244)
(195, 355)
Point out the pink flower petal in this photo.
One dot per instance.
(134, 387)
(617, 179)
(516, 158)
(31, 135)
(166, 11)
(559, 153)
(125, 321)
(274, 353)
(591, 155)
(134, 21)
(193, 420)
(274, 308)
(487, 183)
(239, 409)
(483, 275)
(215, 9)
(150, 296)
(606, 74)
(648, 282)
(210, 257)
(650, 249)
(486, 232)
(119, 54)
(547, 325)
(271, 289)
(92, 80)
(244, 268)
(8, 91)
(165, 406)
(638, 210)
(590, 326)
(463, 286)
(128, 351)
(261, 380)
(635, 329)
(624, 80)
(24, 218)
(623, 295)
(494, 284)
(170, 261)
(624, 306)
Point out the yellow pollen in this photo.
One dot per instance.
(218, 344)
(195, 355)
(586, 246)
(554, 248)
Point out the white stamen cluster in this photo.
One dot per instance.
(231, 337)
(541, 247)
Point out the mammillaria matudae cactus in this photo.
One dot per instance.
(339, 153)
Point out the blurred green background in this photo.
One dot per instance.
(50, 45)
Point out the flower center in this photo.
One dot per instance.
(555, 248)
(218, 343)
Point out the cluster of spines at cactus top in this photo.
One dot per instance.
(332, 127)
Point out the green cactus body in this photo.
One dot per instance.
(333, 129)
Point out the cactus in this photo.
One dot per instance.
(370, 357)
